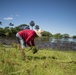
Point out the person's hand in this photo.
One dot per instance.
(34, 49)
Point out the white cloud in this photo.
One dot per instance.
(8, 18)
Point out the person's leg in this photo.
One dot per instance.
(22, 43)
(22, 49)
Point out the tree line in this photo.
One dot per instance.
(10, 31)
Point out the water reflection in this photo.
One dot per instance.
(63, 40)
(58, 44)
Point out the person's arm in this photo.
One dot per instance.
(32, 42)
(28, 40)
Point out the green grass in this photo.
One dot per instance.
(44, 62)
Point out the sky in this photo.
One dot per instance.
(54, 16)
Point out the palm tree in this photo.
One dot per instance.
(37, 27)
(10, 24)
(32, 23)
(0, 23)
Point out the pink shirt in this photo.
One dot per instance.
(28, 36)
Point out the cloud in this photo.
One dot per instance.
(8, 18)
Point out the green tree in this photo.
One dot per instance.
(12, 32)
(65, 35)
(6, 31)
(74, 36)
(32, 23)
(21, 27)
(1, 32)
(37, 27)
(57, 36)
(47, 34)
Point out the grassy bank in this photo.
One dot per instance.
(45, 62)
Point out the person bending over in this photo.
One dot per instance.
(27, 36)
